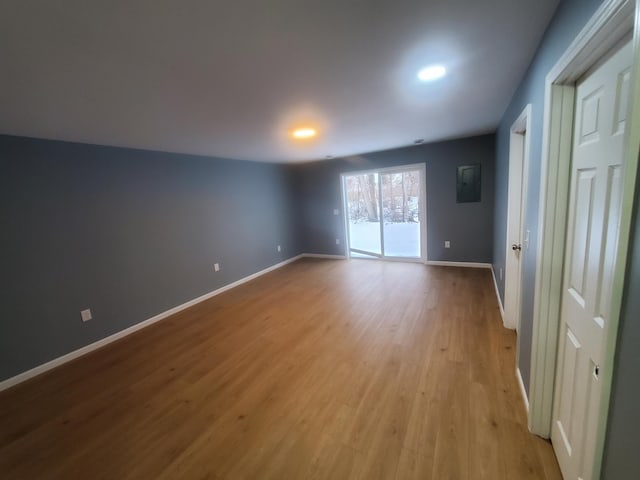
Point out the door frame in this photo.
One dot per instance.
(421, 167)
(611, 24)
(519, 142)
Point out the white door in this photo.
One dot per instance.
(518, 169)
(592, 235)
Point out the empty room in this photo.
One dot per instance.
(338, 239)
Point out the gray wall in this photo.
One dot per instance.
(621, 459)
(569, 19)
(127, 233)
(469, 226)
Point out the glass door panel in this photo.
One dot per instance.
(362, 195)
(401, 213)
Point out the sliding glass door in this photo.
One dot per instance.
(385, 213)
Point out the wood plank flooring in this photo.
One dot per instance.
(320, 370)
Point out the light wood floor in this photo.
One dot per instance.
(322, 369)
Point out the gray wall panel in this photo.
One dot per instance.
(621, 461)
(127, 233)
(569, 19)
(467, 225)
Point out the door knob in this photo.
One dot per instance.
(516, 246)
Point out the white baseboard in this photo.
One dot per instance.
(324, 255)
(458, 264)
(523, 391)
(10, 382)
(495, 284)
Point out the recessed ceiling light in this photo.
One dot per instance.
(419, 141)
(305, 132)
(433, 72)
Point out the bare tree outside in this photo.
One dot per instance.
(400, 195)
(362, 196)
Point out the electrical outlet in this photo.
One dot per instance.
(500, 273)
(86, 315)
(216, 267)
(337, 241)
(279, 248)
(336, 211)
(527, 234)
(447, 244)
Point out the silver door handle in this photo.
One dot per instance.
(516, 246)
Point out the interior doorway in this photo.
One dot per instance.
(385, 213)
(517, 237)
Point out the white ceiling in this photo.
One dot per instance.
(231, 78)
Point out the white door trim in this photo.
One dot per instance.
(519, 142)
(610, 25)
